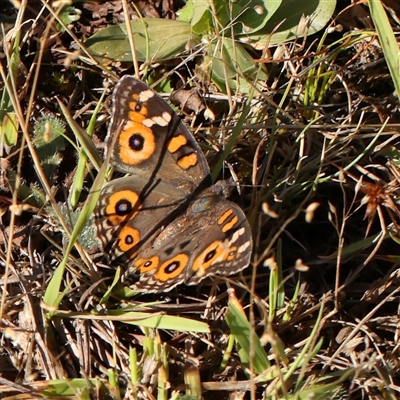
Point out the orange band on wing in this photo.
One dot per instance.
(224, 216)
(188, 161)
(176, 143)
(229, 225)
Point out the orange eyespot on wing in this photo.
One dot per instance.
(128, 238)
(137, 113)
(136, 143)
(172, 268)
(209, 256)
(122, 206)
(144, 265)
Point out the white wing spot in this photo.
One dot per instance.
(243, 247)
(160, 120)
(236, 235)
(167, 116)
(146, 95)
(149, 122)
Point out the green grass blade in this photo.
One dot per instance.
(387, 40)
(246, 337)
(77, 184)
(51, 297)
(143, 319)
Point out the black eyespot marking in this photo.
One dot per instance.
(129, 239)
(136, 142)
(138, 107)
(147, 264)
(209, 255)
(123, 207)
(170, 268)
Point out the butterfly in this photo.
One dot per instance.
(164, 220)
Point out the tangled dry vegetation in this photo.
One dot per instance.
(317, 165)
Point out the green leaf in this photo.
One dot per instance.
(246, 16)
(198, 13)
(317, 12)
(68, 15)
(186, 12)
(154, 39)
(83, 138)
(229, 63)
(204, 24)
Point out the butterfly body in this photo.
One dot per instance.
(163, 220)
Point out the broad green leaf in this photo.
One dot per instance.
(186, 12)
(68, 15)
(169, 322)
(202, 21)
(198, 13)
(316, 12)
(246, 16)
(229, 63)
(154, 39)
